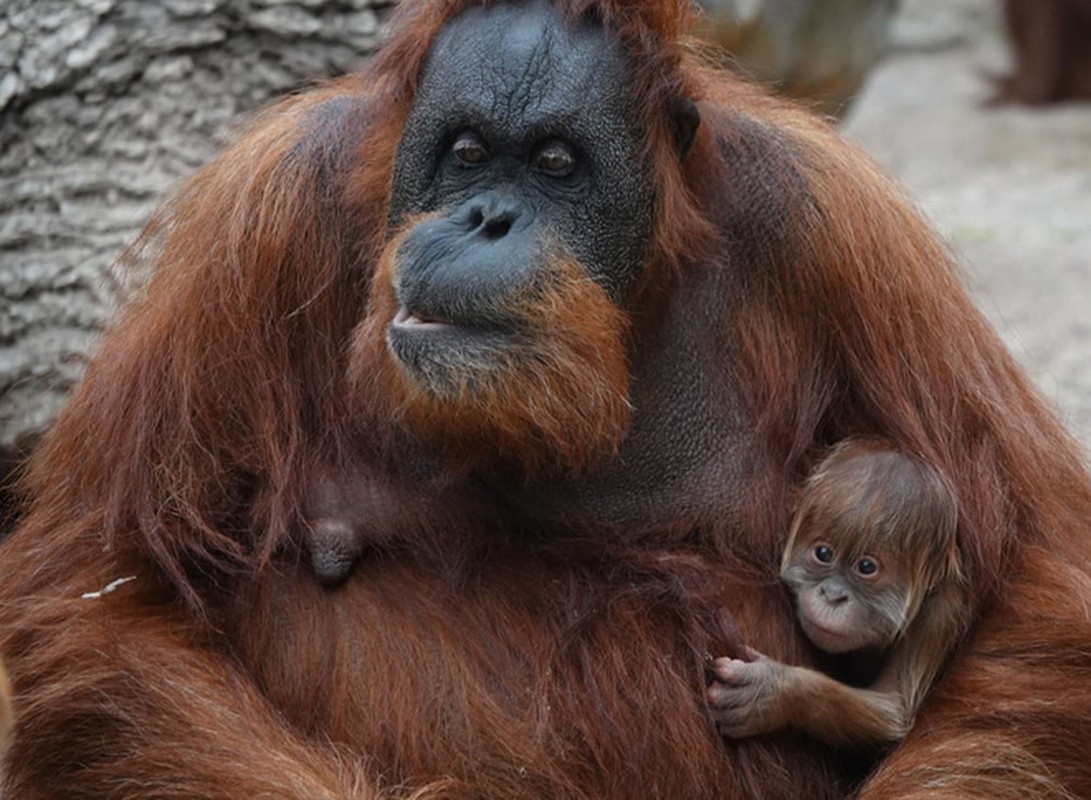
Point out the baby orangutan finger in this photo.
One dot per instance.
(736, 672)
(743, 698)
(755, 655)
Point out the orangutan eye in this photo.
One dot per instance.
(867, 567)
(823, 553)
(556, 158)
(469, 149)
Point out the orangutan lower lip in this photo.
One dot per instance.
(445, 356)
(405, 319)
(813, 627)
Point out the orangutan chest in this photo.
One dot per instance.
(517, 682)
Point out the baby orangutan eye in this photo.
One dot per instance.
(823, 553)
(867, 567)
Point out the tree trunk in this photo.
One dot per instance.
(104, 104)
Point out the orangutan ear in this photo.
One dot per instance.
(684, 121)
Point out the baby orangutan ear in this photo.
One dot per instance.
(684, 121)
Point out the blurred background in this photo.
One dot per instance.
(981, 107)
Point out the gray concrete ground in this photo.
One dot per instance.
(1009, 188)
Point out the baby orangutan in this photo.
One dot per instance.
(872, 561)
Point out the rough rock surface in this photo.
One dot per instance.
(104, 104)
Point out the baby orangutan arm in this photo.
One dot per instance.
(749, 698)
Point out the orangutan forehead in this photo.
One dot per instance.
(523, 61)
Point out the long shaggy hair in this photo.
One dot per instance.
(229, 378)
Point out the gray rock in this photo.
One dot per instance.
(105, 104)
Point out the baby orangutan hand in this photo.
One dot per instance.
(749, 698)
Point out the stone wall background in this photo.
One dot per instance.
(104, 104)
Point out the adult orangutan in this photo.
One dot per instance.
(590, 311)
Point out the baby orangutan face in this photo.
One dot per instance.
(846, 600)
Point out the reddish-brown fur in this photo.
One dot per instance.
(7, 719)
(555, 666)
